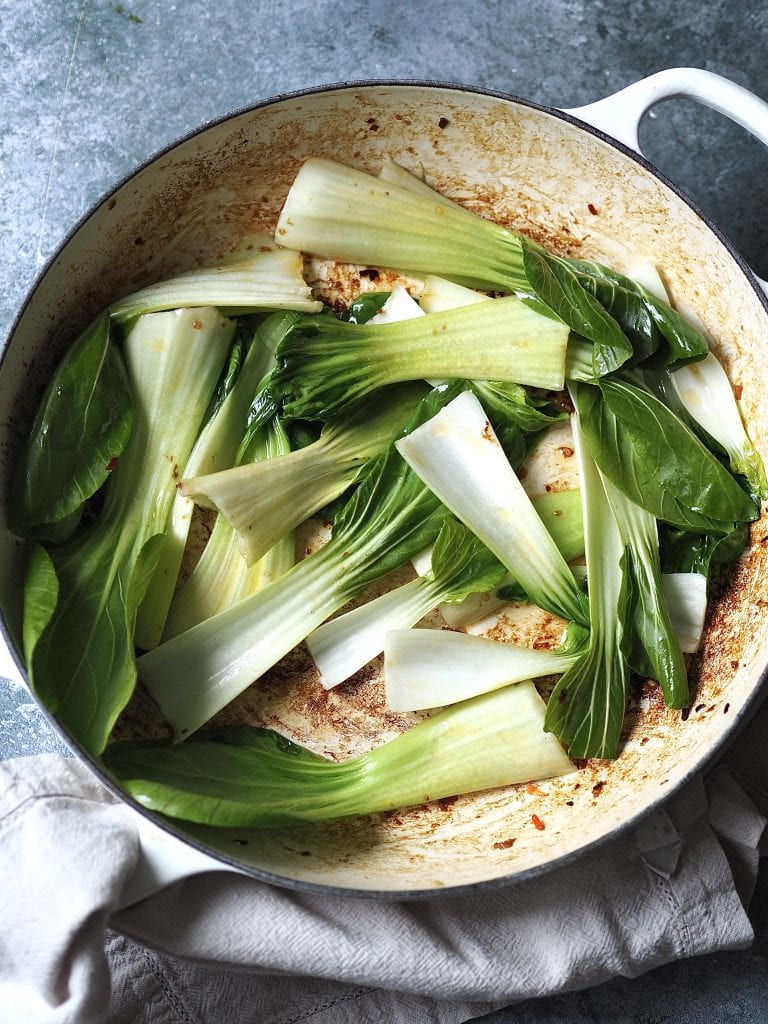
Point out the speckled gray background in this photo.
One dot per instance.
(90, 89)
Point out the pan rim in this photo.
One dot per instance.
(730, 732)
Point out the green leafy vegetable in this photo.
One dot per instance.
(685, 596)
(586, 708)
(429, 668)
(81, 662)
(41, 594)
(613, 446)
(366, 305)
(460, 565)
(263, 281)
(395, 174)
(336, 211)
(325, 365)
(659, 655)
(696, 552)
(558, 286)
(390, 516)
(707, 396)
(264, 500)
(254, 777)
(458, 455)
(80, 431)
(240, 345)
(215, 448)
(437, 295)
(645, 318)
(674, 456)
(221, 577)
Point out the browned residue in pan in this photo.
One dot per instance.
(576, 195)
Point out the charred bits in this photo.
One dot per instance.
(504, 844)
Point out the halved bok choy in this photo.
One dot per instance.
(265, 499)
(256, 283)
(460, 565)
(254, 777)
(324, 366)
(390, 516)
(81, 599)
(429, 668)
(457, 454)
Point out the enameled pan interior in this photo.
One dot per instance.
(537, 172)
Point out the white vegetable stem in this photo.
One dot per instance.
(215, 448)
(707, 395)
(439, 295)
(396, 174)
(266, 280)
(685, 594)
(348, 215)
(342, 646)
(398, 307)
(458, 456)
(647, 276)
(199, 672)
(221, 578)
(210, 333)
(429, 668)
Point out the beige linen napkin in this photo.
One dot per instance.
(222, 947)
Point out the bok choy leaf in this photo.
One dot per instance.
(342, 213)
(657, 651)
(394, 173)
(80, 430)
(216, 448)
(697, 552)
(674, 456)
(325, 365)
(221, 577)
(659, 334)
(437, 295)
(707, 396)
(81, 661)
(264, 281)
(429, 668)
(586, 708)
(553, 281)
(390, 516)
(621, 456)
(460, 565)
(255, 777)
(458, 456)
(264, 500)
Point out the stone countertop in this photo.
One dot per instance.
(90, 89)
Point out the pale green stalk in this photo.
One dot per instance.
(264, 281)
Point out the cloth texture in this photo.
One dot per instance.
(222, 947)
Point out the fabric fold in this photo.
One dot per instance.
(675, 886)
(66, 848)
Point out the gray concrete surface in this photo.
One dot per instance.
(89, 89)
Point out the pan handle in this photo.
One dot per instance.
(619, 115)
